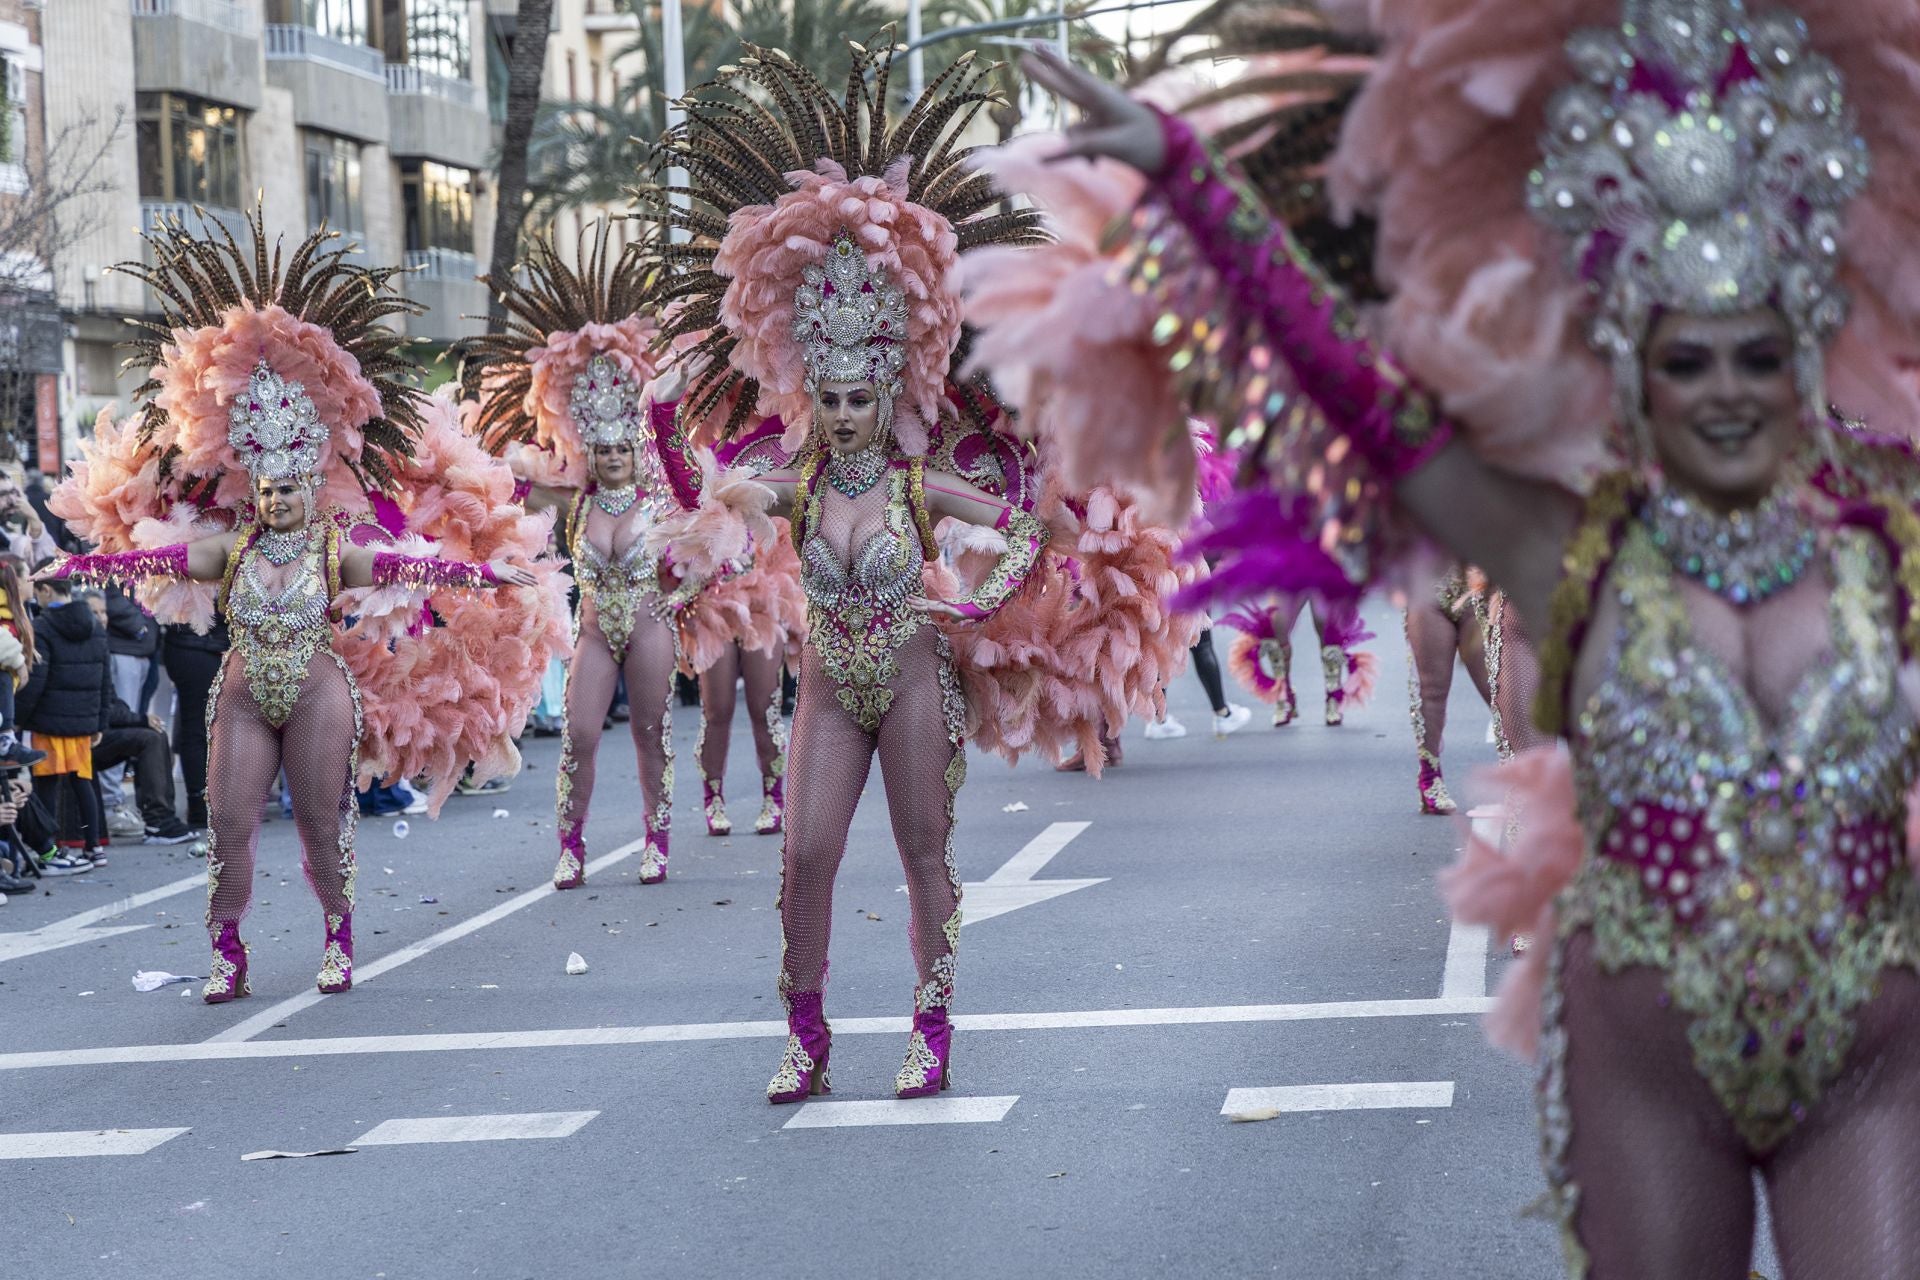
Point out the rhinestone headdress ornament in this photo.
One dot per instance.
(275, 428)
(851, 324)
(605, 404)
(1702, 164)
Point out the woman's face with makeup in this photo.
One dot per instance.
(1722, 403)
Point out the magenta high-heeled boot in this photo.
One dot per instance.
(803, 1066)
(928, 1068)
(773, 806)
(715, 801)
(336, 962)
(1434, 798)
(229, 980)
(571, 871)
(653, 859)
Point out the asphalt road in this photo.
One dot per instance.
(1256, 912)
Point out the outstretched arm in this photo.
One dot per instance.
(1512, 527)
(374, 567)
(202, 560)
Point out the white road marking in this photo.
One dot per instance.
(843, 1115)
(362, 973)
(1340, 1097)
(1467, 944)
(1013, 886)
(499, 1128)
(683, 1033)
(86, 1142)
(79, 928)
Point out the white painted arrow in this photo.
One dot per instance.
(81, 928)
(1013, 886)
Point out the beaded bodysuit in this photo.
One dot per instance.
(1763, 869)
(616, 583)
(278, 630)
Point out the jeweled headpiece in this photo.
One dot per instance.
(275, 427)
(851, 323)
(605, 404)
(1701, 164)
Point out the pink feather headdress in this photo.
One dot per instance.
(1488, 309)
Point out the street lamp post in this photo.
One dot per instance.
(673, 51)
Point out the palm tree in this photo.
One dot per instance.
(586, 153)
(1085, 46)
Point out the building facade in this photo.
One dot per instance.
(377, 118)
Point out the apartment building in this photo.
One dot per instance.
(31, 328)
(379, 118)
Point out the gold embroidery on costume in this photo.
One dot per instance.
(617, 585)
(858, 617)
(1763, 872)
(278, 632)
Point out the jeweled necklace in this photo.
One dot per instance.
(282, 548)
(1743, 556)
(617, 502)
(855, 473)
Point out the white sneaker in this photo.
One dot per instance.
(416, 803)
(1232, 722)
(1161, 730)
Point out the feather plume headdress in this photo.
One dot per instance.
(269, 366)
(567, 371)
(783, 173)
(1497, 309)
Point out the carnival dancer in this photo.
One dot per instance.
(1718, 872)
(1262, 658)
(820, 285)
(273, 393)
(558, 393)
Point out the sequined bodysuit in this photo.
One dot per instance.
(620, 630)
(1763, 868)
(283, 700)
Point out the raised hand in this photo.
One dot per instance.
(507, 574)
(1112, 124)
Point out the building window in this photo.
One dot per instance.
(342, 19)
(333, 183)
(189, 150)
(13, 111)
(438, 203)
(437, 37)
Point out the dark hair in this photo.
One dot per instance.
(59, 586)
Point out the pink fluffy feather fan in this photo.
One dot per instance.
(446, 680)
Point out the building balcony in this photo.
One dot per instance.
(199, 220)
(336, 86)
(207, 48)
(445, 282)
(437, 118)
(608, 15)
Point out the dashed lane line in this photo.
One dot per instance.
(1339, 1097)
(682, 1033)
(84, 1142)
(894, 1111)
(487, 1128)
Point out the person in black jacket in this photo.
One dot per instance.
(64, 706)
(132, 738)
(192, 661)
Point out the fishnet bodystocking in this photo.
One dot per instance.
(922, 763)
(316, 747)
(1516, 679)
(718, 695)
(1433, 638)
(1665, 1183)
(591, 680)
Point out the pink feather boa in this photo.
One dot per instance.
(1247, 659)
(767, 247)
(1512, 891)
(763, 610)
(1091, 639)
(549, 396)
(1069, 343)
(1438, 147)
(458, 693)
